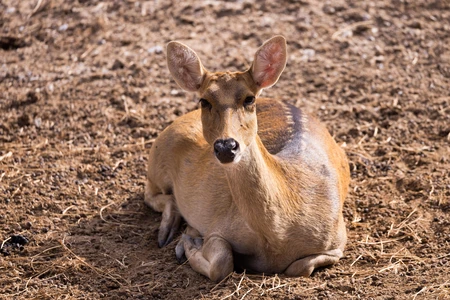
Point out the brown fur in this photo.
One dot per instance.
(278, 207)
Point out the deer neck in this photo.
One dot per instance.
(260, 190)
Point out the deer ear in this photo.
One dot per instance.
(185, 66)
(269, 62)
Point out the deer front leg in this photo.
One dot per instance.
(305, 266)
(170, 223)
(192, 233)
(213, 258)
(171, 218)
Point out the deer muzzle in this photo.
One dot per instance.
(226, 150)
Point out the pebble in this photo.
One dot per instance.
(63, 27)
(155, 49)
(37, 122)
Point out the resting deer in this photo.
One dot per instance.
(260, 183)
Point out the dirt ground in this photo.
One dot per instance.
(84, 90)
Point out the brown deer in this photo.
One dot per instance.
(260, 183)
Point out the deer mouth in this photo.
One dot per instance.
(226, 158)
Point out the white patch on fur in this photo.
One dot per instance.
(214, 87)
(304, 122)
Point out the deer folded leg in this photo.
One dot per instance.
(155, 198)
(179, 249)
(305, 266)
(213, 259)
(170, 222)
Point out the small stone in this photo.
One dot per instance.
(329, 10)
(23, 120)
(63, 27)
(10, 10)
(27, 225)
(415, 25)
(155, 49)
(50, 88)
(117, 65)
(37, 122)
(308, 54)
(18, 239)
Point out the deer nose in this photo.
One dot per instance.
(225, 150)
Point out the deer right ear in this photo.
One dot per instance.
(185, 66)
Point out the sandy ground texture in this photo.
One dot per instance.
(84, 91)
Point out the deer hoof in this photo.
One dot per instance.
(179, 252)
(169, 226)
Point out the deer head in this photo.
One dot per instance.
(228, 99)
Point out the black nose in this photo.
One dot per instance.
(225, 150)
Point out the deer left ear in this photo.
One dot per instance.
(269, 62)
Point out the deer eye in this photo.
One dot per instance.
(204, 103)
(249, 100)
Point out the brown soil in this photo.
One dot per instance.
(85, 90)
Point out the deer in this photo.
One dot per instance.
(260, 183)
